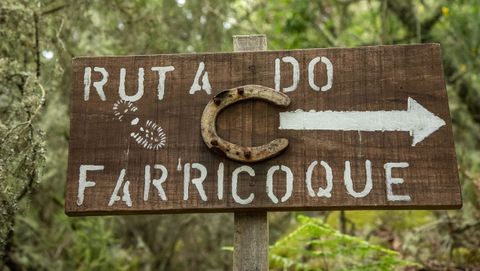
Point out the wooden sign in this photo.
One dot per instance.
(368, 128)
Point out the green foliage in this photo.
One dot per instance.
(314, 245)
(21, 98)
(85, 244)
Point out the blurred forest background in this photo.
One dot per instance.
(37, 42)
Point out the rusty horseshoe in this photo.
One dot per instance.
(229, 149)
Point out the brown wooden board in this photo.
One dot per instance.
(385, 116)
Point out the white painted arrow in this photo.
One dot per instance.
(416, 119)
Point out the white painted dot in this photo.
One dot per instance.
(134, 121)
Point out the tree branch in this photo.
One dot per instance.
(8, 258)
(52, 8)
(405, 13)
(37, 43)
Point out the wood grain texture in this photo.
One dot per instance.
(251, 231)
(250, 241)
(365, 79)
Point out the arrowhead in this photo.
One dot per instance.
(423, 121)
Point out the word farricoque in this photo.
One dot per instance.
(195, 185)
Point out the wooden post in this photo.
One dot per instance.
(251, 228)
